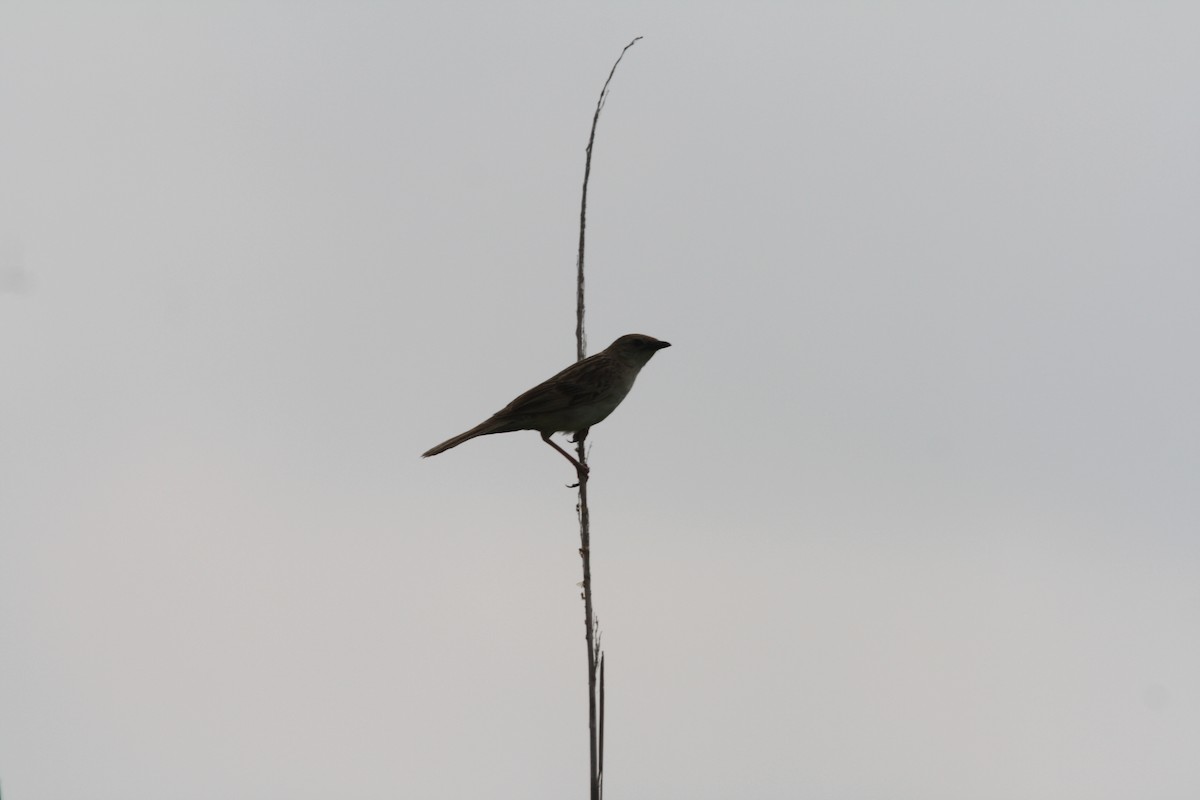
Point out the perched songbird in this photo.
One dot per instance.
(573, 400)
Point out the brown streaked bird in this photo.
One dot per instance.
(574, 400)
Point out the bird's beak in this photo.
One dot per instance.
(661, 345)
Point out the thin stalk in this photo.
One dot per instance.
(595, 657)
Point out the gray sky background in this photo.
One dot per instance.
(910, 510)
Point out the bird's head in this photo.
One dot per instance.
(635, 349)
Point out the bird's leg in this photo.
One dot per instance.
(582, 468)
(580, 435)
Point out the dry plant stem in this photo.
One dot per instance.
(585, 543)
(600, 655)
(580, 336)
(595, 658)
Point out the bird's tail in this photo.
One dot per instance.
(482, 429)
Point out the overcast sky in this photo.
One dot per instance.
(911, 510)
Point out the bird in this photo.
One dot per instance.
(574, 400)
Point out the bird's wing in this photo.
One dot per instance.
(581, 383)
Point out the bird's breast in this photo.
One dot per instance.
(585, 415)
